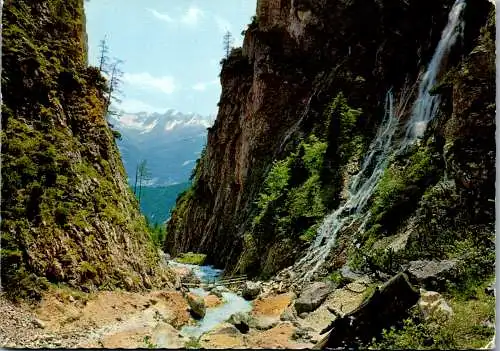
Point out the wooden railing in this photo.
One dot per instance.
(225, 282)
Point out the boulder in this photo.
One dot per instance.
(264, 322)
(242, 321)
(224, 336)
(166, 336)
(197, 305)
(385, 307)
(431, 274)
(212, 300)
(312, 297)
(251, 290)
(218, 290)
(432, 304)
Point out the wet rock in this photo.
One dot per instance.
(212, 300)
(242, 321)
(431, 274)
(197, 305)
(432, 304)
(218, 290)
(251, 290)
(312, 297)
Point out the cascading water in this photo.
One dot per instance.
(364, 183)
(426, 105)
(359, 193)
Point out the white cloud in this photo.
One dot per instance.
(136, 106)
(144, 80)
(161, 16)
(222, 24)
(202, 86)
(192, 16)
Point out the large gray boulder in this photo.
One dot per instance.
(197, 305)
(431, 274)
(251, 290)
(312, 297)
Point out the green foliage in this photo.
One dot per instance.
(191, 258)
(158, 233)
(193, 343)
(465, 329)
(274, 186)
(148, 343)
(338, 279)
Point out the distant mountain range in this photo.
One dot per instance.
(170, 142)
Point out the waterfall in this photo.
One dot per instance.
(383, 146)
(426, 105)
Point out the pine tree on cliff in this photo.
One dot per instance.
(142, 175)
(228, 42)
(103, 56)
(115, 81)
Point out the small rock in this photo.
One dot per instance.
(39, 323)
(312, 297)
(218, 290)
(432, 304)
(300, 333)
(356, 287)
(251, 290)
(490, 290)
(289, 314)
(303, 315)
(197, 304)
(71, 298)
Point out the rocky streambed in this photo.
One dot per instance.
(272, 314)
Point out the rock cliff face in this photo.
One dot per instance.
(67, 212)
(301, 63)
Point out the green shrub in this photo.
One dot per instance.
(191, 258)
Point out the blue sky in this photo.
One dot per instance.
(171, 49)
